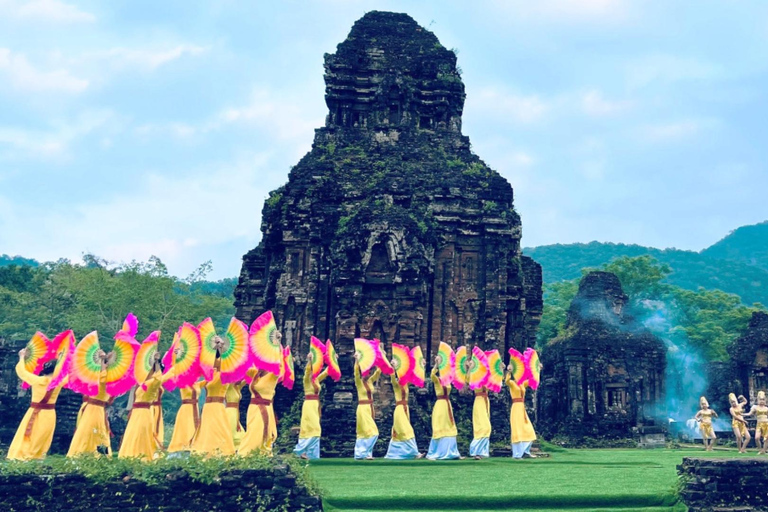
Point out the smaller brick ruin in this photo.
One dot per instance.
(733, 485)
(605, 375)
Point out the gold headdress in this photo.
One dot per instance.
(732, 398)
(761, 395)
(703, 402)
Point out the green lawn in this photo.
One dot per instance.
(577, 480)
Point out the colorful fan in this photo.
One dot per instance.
(120, 364)
(382, 363)
(65, 343)
(317, 349)
(168, 359)
(289, 374)
(332, 360)
(532, 368)
(419, 373)
(518, 366)
(235, 356)
(403, 362)
(367, 354)
(186, 365)
(496, 370)
(462, 367)
(446, 364)
(86, 367)
(479, 372)
(145, 357)
(39, 353)
(264, 343)
(207, 348)
(130, 325)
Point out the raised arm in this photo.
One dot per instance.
(433, 376)
(320, 378)
(308, 374)
(374, 376)
(28, 377)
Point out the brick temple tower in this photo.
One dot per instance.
(390, 227)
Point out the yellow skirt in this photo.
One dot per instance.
(184, 429)
(762, 428)
(38, 443)
(139, 438)
(401, 425)
(707, 432)
(233, 417)
(310, 419)
(481, 418)
(442, 424)
(520, 424)
(159, 425)
(740, 428)
(91, 432)
(366, 425)
(259, 436)
(215, 434)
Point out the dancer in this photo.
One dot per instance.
(214, 437)
(760, 412)
(739, 424)
(521, 429)
(479, 448)
(187, 418)
(156, 408)
(367, 431)
(262, 425)
(704, 417)
(308, 446)
(442, 446)
(402, 444)
(35, 433)
(92, 434)
(140, 439)
(233, 396)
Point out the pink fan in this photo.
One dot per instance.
(381, 359)
(65, 350)
(318, 350)
(289, 375)
(130, 325)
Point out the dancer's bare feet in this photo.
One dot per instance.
(420, 456)
(477, 457)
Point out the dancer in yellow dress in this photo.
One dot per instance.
(704, 417)
(760, 412)
(521, 429)
(261, 431)
(187, 418)
(92, 435)
(214, 437)
(140, 439)
(739, 424)
(479, 448)
(367, 431)
(308, 446)
(35, 433)
(233, 396)
(402, 444)
(157, 416)
(443, 445)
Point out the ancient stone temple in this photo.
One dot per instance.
(390, 227)
(603, 378)
(749, 356)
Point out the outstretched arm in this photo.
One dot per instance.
(320, 378)
(28, 377)
(374, 376)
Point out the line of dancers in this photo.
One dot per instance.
(217, 429)
(739, 419)
(402, 443)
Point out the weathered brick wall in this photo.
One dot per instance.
(246, 490)
(724, 484)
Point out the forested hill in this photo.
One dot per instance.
(6, 260)
(737, 264)
(748, 244)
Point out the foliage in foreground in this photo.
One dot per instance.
(204, 470)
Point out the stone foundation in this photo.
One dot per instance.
(710, 485)
(251, 489)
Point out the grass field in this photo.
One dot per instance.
(576, 480)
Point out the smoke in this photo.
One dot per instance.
(686, 372)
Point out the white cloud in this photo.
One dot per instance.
(44, 10)
(24, 76)
(149, 59)
(568, 11)
(664, 132)
(284, 117)
(594, 104)
(519, 108)
(667, 69)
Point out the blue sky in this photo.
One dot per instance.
(136, 128)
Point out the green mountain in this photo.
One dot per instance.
(737, 264)
(747, 244)
(6, 260)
